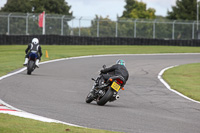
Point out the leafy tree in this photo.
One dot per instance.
(17, 6)
(136, 9)
(37, 6)
(51, 6)
(184, 9)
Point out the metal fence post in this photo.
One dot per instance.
(98, 27)
(154, 29)
(193, 30)
(173, 29)
(135, 28)
(62, 24)
(116, 29)
(44, 24)
(8, 32)
(27, 23)
(197, 15)
(72, 29)
(80, 26)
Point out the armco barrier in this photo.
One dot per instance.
(76, 40)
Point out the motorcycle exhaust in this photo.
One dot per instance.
(117, 97)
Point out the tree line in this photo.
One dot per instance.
(183, 10)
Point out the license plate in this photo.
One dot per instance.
(115, 86)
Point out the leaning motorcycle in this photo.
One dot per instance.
(106, 90)
(31, 63)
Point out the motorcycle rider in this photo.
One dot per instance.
(117, 69)
(33, 47)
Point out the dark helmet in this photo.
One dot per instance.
(121, 62)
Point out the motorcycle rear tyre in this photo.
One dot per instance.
(30, 67)
(106, 97)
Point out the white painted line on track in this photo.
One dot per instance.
(10, 74)
(168, 86)
(17, 112)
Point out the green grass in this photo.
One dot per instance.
(12, 58)
(185, 79)
(14, 124)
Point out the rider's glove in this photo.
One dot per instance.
(101, 71)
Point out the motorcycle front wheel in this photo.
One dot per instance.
(89, 98)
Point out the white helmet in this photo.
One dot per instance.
(35, 41)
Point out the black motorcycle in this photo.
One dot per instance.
(105, 90)
(31, 63)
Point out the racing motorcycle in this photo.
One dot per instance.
(31, 63)
(106, 90)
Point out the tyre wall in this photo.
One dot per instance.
(76, 40)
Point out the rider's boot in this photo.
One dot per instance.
(25, 62)
(37, 63)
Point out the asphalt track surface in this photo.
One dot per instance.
(58, 90)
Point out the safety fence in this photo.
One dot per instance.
(27, 24)
(78, 40)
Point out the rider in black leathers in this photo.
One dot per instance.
(118, 69)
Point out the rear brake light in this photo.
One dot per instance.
(120, 81)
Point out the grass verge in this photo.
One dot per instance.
(185, 79)
(14, 124)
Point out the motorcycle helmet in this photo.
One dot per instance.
(35, 41)
(121, 62)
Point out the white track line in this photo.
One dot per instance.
(24, 114)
